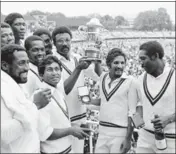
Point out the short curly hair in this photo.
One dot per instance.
(42, 31)
(11, 17)
(30, 39)
(152, 48)
(112, 54)
(60, 30)
(8, 50)
(5, 25)
(49, 59)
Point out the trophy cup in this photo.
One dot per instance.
(92, 51)
(83, 94)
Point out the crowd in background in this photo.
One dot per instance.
(131, 48)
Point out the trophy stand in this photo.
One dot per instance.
(93, 124)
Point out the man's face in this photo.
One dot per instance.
(52, 74)
(19, 28)
(19, 68)
(7, 36)
(63, 43)
(48, 43)
(37, 52)
(117, 66)
(146, 63)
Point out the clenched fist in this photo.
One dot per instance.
(83, 64)
(42, 97)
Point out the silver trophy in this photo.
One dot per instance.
(92, 32)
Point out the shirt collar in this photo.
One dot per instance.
(22, 43)
(62, 58)
(46, 85)
(165, 71)
(124, 76)
(33, 67)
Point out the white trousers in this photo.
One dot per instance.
(110, 142)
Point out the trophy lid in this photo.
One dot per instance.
(94, 22)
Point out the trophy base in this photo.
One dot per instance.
(91, 59)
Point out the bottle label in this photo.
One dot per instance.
(161, 144)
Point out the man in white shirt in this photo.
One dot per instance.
(22, 126)
(117, 103)
(17, 22)
(73, 77)
(157, 95)
(7, 36)
(36, 52)
(50, 71)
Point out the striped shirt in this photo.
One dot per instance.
(77, 111)
(117, 102)
(158, 97)
(58, 112)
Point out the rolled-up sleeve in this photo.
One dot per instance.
(11, 129)
(44, 126)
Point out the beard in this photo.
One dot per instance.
(117, 75)
(18, 79)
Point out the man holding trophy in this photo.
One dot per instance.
(73, 77)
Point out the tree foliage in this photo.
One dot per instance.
(152, 20)
(148, 20)
(121, 21)
(108, 22)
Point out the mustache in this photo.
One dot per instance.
(24, 72)
(64, 47)
(118, 69)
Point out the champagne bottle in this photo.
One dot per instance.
(160, 140)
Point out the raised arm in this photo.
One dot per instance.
(70, 82)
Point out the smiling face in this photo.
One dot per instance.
(117, 66)
(48, 43)
(19, 28)
(36, 52)
(7, 36)
(146, 62)
(52, 74)
(63, 43)
(19, 68)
